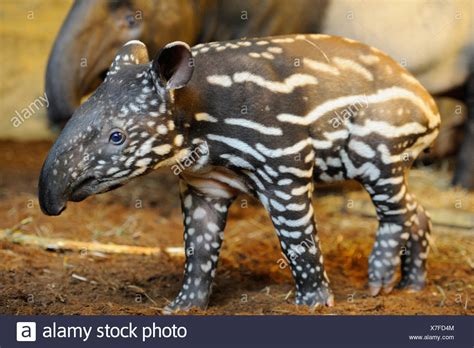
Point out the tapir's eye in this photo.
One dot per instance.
(117, 138)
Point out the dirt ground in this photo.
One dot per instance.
(249, 280)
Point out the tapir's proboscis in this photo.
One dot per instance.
(269, 117)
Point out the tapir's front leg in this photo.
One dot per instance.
(204, 219)
(292, 214)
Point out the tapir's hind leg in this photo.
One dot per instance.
(403, 231)
(416, 250)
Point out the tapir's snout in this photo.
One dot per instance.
(54, 181)
(50, 195)
(52, 208)
(51, 191)
(62, 174)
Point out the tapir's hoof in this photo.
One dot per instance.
(320, 297)
(413, 284)
(168, 310)
(376, 288)
(381, 279)
(184, 304)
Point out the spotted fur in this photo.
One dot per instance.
(275, 115)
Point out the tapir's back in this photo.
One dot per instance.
(327, 83)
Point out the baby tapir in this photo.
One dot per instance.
(268, 117)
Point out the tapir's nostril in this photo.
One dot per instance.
(50, 207)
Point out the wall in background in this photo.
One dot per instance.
(27, 32)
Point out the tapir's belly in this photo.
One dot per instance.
(216, 182)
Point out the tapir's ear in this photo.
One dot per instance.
(133, 52)
(173, 65)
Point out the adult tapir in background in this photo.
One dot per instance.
(434, 40)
